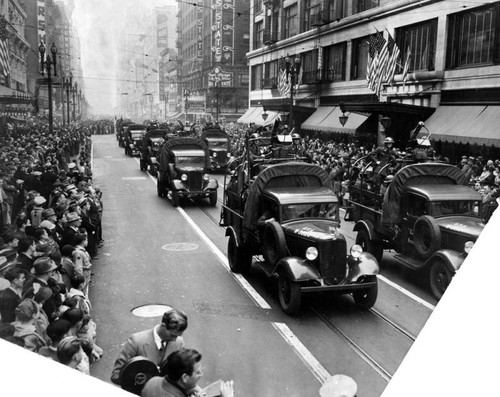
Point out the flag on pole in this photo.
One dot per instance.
(383, 56)
(284, 83)
(393, 60)
(406, 66)
(4, 49)
(377, 43)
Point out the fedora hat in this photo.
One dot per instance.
(72, 216)
(43, 265)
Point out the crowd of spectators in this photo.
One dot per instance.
(344, 159)
(50, 233)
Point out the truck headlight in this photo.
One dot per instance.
(312, 253)
(206, 177)
(356, 251)
(468, 246)
(184, 177)
(214, 154)
(228, 155)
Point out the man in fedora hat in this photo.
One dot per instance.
(45, 272)
(73, 222)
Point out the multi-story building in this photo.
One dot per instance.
(450, 50)
(213, 38)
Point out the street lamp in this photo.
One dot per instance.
(74, 91)
(51, 65)
(68, 83)
(292, 70)
(343, 119)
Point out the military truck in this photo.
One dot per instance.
(428, 215)
(183, 171)
(218, 145)
(288, 214)
(150, 147)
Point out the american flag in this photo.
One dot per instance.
(284, 83)
(393, 60)
(4, 50)
(377, 43)
(383, 57)
(406, 66)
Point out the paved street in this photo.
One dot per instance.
(157, 254)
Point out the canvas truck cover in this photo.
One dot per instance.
(157, 133)
(167, 156)
(417, 174)
(290, 174)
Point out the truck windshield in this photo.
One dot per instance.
(217, 143)
(454, 207)
(311, 210)
(191, 160)
(137, 134)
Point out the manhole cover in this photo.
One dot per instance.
(180, 247)
(150, 310)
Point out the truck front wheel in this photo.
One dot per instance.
(289, 294)
(374, 247)
(366, 298)
(440, 278)
(239, 258)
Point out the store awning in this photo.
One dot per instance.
(174, 115)
(466, 124)
(326, 118)
(254, 115)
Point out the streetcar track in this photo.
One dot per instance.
(360, 352)
(393, 324)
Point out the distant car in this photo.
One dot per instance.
(218, 143)
(132, 138)
(183, 171)
(120, 130)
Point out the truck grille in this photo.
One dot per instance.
(195, 180)
(333, 261)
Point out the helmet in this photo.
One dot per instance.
(388, 140)
(255, 135)
(388, 179)
(296, 136)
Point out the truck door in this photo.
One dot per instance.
(413, 207)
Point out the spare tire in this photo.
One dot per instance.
(273, 243)
(426, 236)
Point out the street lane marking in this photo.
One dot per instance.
(133, 178)
(286, 333)
(407, 293)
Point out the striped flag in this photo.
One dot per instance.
(4, 50)
(377, 43)
(383, 56)
(393, 60)
(284, 83)
(406, 66)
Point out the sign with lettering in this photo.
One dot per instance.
(223, 16)
(220, 78)
(199, 29)
(40, 10)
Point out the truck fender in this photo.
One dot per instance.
(212, 184)
(177, 184)
(232, 231)
(368, 226)
(365, 265)
(452, 258)
(297, 268)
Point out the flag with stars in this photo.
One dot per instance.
(4, 49)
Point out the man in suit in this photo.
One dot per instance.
(154, 344)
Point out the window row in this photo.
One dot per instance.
(473, 40)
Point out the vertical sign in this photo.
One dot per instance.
(228, 32)
(199, 29)
(222, 30)
(40, 10)
(217, 30)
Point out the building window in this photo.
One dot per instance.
(359, 58)
(259, 34)
(312, 7)
(334, 62)
(256, 77)
(473, 37)
(363, 5)
(420, 40)
(310, 67)
(291, 25)
(336, 9)
(270, 75)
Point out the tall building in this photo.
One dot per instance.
(441, 53)
(213, 38)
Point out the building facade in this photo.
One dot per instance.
(450, 51)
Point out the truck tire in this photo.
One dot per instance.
(439, 277)
(160, 189)
(175, 198)
(366, 298)
(289, 294)
(212, 198)
(273, 243)
(239, 258)
(143, 165)
(374, 247)
(426, 236)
